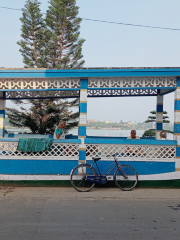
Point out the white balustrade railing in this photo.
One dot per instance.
(132, 152)
(68, 151)
(65, 151)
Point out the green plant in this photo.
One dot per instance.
(152, 118)
(43, 116)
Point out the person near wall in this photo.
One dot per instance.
(163, 135)
(129, 151)
(59, 130)
(133, 135)
(166, 152)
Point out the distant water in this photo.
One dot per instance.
(113, 133)
(102, 133)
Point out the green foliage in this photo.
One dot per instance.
(152, 132)
(52, 42)
(43, 116)
(153, 118)
(64, 44)
(33, 42)
(149, 133)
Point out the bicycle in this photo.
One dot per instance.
(84, 176)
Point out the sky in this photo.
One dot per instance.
(112, 45)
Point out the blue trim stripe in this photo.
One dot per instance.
(83, 107)
(67, 141)
(129, 141)
(146, 138)
(11, 135)
(177, 105)
(177, 151)
(98, 70)
(159, 126)
(71, 137)
(82, 131)
(176, 128)
(85, 73)
(159, 108)
(84, 84)
(82, 155)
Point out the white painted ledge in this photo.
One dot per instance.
(152, 177)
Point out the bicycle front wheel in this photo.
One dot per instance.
(126, 177)
(78, 178)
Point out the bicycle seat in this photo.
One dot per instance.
(96, 158)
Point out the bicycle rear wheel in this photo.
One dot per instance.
(126, 177)
(78, 178)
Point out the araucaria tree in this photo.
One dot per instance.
(43, 116)
(64, 44)
(53, 42)
(152, 118)
(33, 42)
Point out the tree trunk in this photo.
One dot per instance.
(35, 53)
(61, 44)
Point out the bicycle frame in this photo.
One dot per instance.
(102, 178)
(126, 180)
(111, 167)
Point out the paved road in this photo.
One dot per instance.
(63, 213)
